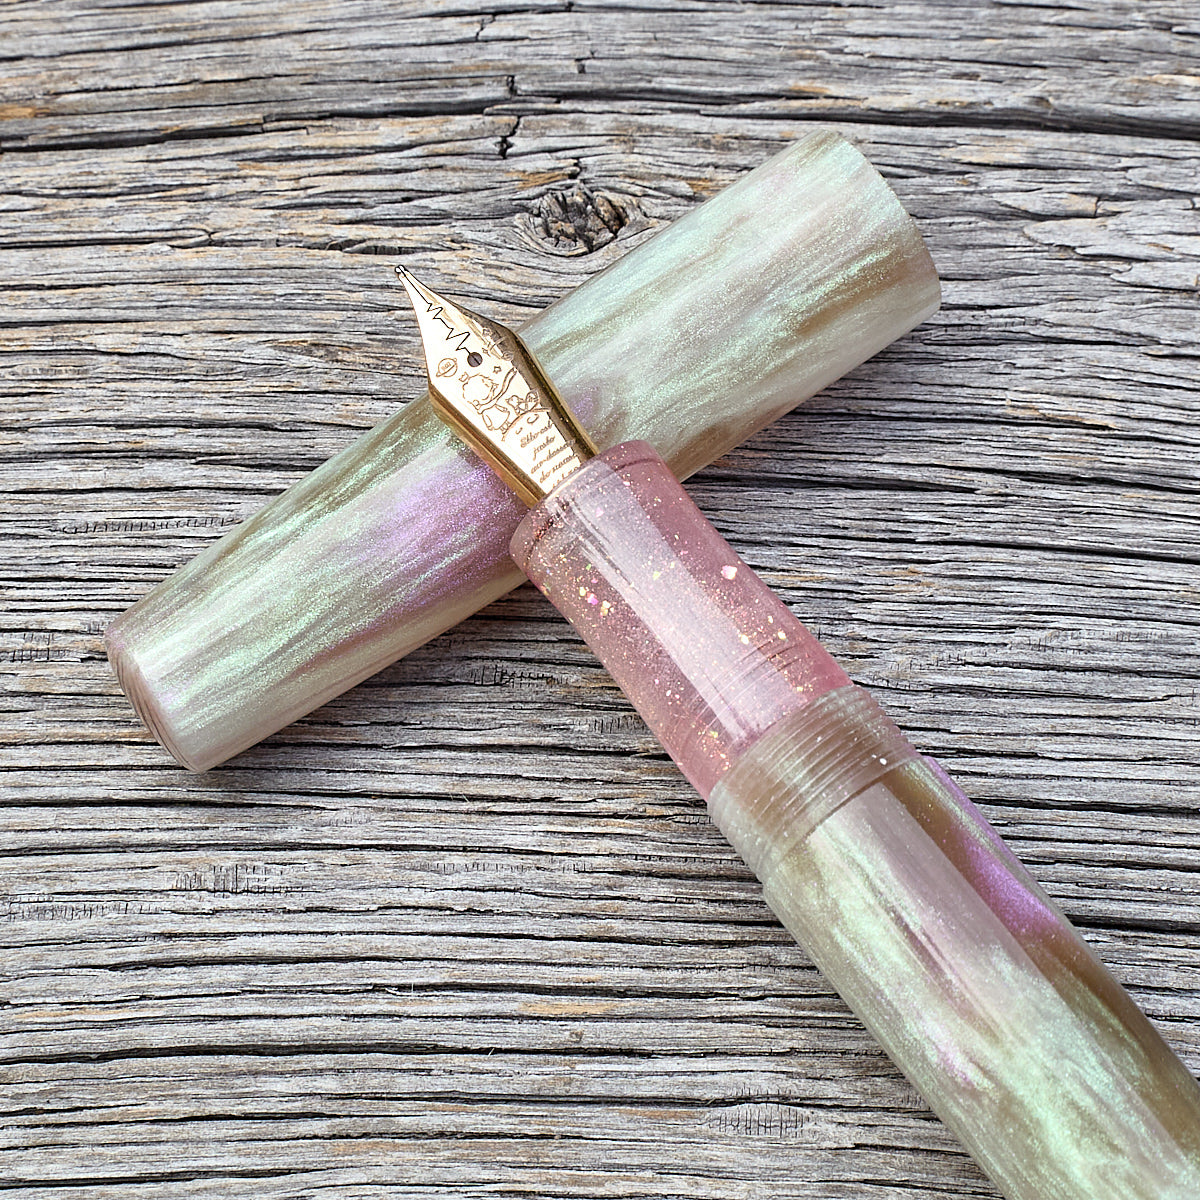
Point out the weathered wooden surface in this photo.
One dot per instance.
(465, 931)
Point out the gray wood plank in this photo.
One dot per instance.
(465, 930)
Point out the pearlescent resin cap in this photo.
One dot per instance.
(766, 293)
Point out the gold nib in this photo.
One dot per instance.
(487, 386)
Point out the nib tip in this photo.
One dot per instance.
(415, 288)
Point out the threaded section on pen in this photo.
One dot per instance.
(801, 771)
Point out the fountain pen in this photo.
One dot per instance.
(905, 898)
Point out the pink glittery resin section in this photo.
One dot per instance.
(708, 655)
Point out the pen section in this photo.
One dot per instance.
(703, 648)
(908, 902)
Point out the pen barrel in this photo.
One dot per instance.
(964, 970)
(906, 899)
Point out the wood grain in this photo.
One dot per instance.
(465, 931)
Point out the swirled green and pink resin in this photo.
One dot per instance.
(700, 336)
(906, 899)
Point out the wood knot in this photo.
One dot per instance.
(577, 221)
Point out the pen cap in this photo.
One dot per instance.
(694, 340)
